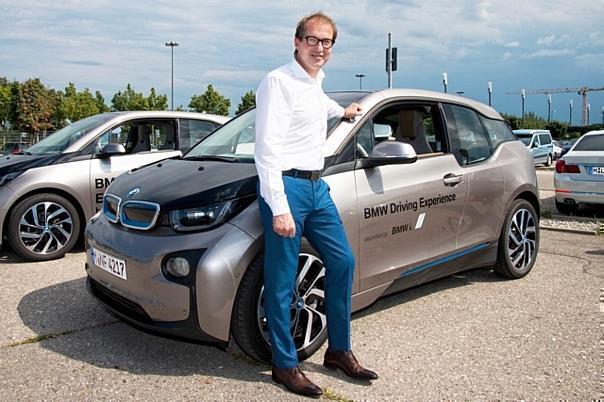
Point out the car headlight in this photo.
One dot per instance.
(207, 216)
(9, 177)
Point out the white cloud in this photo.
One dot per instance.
(551, 53)
(104, 45)
(546, 40)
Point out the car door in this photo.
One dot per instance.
(143, 141)
(484, 173)
(408, 214)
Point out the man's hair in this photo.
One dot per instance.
(301, 28)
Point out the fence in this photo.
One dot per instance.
(17, 137)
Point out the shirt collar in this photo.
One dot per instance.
(299, 72)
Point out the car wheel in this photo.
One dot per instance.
(43, 227)
(518, 241)
(564, 208)
(308, 318)
(548, 161)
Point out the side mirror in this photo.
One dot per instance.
(389, 153)
(111, 149)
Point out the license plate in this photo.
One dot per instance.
(109, 263)
(596, 170)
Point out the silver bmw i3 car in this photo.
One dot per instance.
(50, 190)
(427, 185)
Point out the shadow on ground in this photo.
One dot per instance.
(70, 322)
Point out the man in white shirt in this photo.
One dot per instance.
(291, 128)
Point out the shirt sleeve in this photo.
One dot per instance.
(333, 109)
(273, 116)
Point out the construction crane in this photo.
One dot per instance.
(581, 91)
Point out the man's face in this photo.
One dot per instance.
(312, 58)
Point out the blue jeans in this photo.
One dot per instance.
(317, 218)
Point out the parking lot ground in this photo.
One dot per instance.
(471, 336)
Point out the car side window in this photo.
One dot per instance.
(545, 139)
(139, 136)
(497, 131)
(193, 131)
(468, 140)
(413, 124)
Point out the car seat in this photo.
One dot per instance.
(410, 129)
(142, 142)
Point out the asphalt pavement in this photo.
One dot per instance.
(467, 337)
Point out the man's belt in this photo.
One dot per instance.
(303, 174)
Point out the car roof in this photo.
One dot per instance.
(594, 132)
(531, 131)
(170, 114)
(374, 97)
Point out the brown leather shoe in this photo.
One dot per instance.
(296, 382)
(345, 361)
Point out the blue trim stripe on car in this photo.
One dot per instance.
(445, 259)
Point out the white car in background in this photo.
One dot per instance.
(557, 149)
(49, 191)
(579, 175)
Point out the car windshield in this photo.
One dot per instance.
(590, 143)
(235, 140)
(60, 140)
(525, 140)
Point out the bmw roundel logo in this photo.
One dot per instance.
(133, 191)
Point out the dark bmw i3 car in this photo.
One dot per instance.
(427, 185)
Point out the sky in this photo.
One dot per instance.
(104, 45)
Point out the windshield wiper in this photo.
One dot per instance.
(221, 158)
(23, 153)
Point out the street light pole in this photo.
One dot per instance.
(523, 97)
(360, 77)
(588, 111)
(490, 89)
(445, 81)
(549, 108)
(172, 44)
(570, 114)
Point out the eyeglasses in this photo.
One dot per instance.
(314, 41)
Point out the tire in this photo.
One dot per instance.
(43, 227)
(564, 208)
(248, 323)
(548, 160)
(518, 241)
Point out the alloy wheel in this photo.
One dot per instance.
(522, 239)
(45, 227)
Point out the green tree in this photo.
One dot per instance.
(76, 105)
(157, 102)
(35, 106)
(6, 100)
(248, 101)
(100, 102)
(210, 101)
(129, 100)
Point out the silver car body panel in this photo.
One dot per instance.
(401, 221)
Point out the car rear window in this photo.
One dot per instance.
(590, 143)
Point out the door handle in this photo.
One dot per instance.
(452, 179)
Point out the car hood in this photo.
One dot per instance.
(182, 183)
(16, 163)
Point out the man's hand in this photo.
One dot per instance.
(353, 110)
(284, 225)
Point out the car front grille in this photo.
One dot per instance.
(134, 214)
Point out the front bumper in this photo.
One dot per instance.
(198, 308)
(136, 316)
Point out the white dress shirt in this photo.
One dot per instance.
(291, 127)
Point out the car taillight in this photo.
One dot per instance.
(562, 167)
